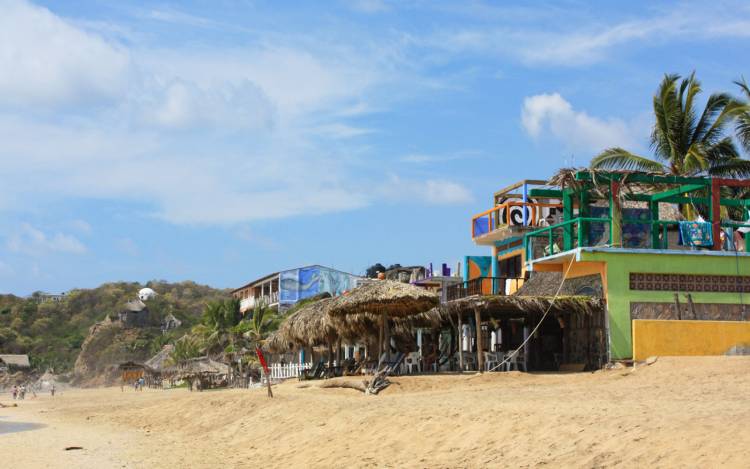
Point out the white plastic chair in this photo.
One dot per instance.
(491, 360)
(515, 359)
(412, 363)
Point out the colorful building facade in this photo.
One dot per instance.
(630, 231)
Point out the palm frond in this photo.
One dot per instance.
(620, 159)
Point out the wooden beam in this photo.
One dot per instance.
(551, 193)
(460, 343)
(716, 213)
(480, 346)
(641, 177)
(677, 191)
(615, 214)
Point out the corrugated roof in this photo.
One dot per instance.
(16, 360)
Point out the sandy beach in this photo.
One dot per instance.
(688, 412)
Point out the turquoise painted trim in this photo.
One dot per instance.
(512, 249)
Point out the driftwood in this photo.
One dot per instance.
(369, 387)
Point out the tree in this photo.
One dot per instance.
(257, 332)
(742, 126)
(685, 143)
(372, 271)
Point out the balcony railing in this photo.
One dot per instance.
(483, 286)
(500, 216)
(588, 232)
(249, 303)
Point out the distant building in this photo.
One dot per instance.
(145, 294)
(43, 297)
(135, 314)
(169, 323)
(285, 288)
(14, 362)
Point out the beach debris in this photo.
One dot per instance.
(740, 349)
(73, 448)
(8, 405)
(651, 360)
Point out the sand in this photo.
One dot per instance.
(679, 412)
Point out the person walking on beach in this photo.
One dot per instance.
(14, 392)
(52, 390)
(23, 392)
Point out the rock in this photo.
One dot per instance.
(739, 349)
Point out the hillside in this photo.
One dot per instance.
(52, 333)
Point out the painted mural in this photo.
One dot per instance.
(477, 266)
(298, 284)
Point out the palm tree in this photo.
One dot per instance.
(257, 331)
(742, 126)
(685, 143)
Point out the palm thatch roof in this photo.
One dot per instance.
(200, 365)
(547, 283)
(394, 299)
(20, 361)
(511, 305)
(565, 177)
(159, 361)
(311, 324)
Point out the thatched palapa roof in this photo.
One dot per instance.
(159, 361)
(394, 299)
(200, 365)
(512, 305)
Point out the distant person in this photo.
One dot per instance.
(23, 392)
(52, 391)
(14, 392)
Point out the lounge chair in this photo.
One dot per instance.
(315, 373)
(392, 367)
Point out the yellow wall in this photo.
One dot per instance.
(671, 338)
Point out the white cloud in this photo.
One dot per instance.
(571, 38)
(431, 191)
(30, 240)
(184, 105)
(199, 134)
(551, 114)
(46, 61)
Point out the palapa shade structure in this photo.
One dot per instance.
(394, 299)
(385, 299)
(311, 325)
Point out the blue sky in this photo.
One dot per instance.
(218, 141)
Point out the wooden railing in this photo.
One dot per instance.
(483, 286)
(493, 220)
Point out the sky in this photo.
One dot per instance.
(218, 141)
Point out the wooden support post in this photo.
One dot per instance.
(615, 214)
(387, 333)
(338, 352)
(381, 335)
(716, 213)
(330, 359)
(567, 201)
(460, 343)
(583, 211)
(656, 242)
(480, 346)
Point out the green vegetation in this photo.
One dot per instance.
(686, 140)
(52, 333)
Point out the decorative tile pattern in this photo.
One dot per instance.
(690, 283)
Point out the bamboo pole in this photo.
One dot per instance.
(387, 332)
(381, 333)
(460, 343)
(480, 351)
